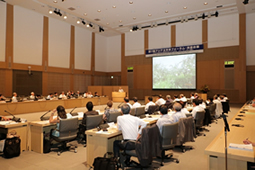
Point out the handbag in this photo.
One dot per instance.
(12, 147)
(104, 163)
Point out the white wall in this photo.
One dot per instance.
(250, 39)
(2, 30)
(100, 53)
(28, 34)
(223, 31)
(82, 59)
(189, 33)
(160, 37)
(114, 54)
(134, 43)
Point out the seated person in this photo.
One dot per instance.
(196, 108)
(129, 125)
(61, 115)
(85, 94)
(201, 103)
(175, 98)
(96, 95)
(184, 110)
(218, 110)
(192, 96)
(247, 142)
(2, 118)
(120, 89)
(136, 103)
(62, 95)
(2, 98)
(126, 101)
(50, 96)
(90, 111)
(178, 113)
(160, 101)
(164, 118)
(55, 96)
(168, 100)
(14, 97)
(225, 96)
(89, 95)
(108, 111)
(32, 96)
(150, 103)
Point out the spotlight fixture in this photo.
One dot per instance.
(245, 2)
(90, 25)
(65, 17)
(135, 28)
(83, 22)
(59, 13)
(216, 14)
(78, 21)
(101, 29)
(56, 11)
(203, 16)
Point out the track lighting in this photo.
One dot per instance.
(50, 11)
(203, 16)
(83, 22)
(101, 29)
(90, 25)
(245, 2)
(216, 14)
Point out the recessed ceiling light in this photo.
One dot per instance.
(113, 6)
(87, 25)
(99, 10)
(134, 18)
(149, 15)
(166, 11)
(185, 7)
(65, 17)
(55, 1)
(107, 23)
(120, 20)
(78, 21)
(205, 3)
(130, 2)
(50, 11)
(85, 14)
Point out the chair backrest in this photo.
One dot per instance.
(225, 107)
(152, 109)
(132, 112)
(93, 121)
(169, 135)
(139, 111)
(68, 128)
(200, 118)
(212, 109)
(188, 114)
(113, 117)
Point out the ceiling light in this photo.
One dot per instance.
(205, 3)
(216, 14)
(185, 7)
(78, 21)
(107, 23)
(134, 18)
(90, 25)
(149, 15)
(65, 17)
(99, 10)
(87, 25)
(83, 22)
(50, 11)
(130, 30)
(120, 21)
(113, 6)
(166, 11)
(245, 2)
(85, 14)
(130, 2)
(55, 1)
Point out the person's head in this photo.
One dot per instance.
(210, 99)
(163, 109)
(196, 95)
(218, 95)
(120, 88)
(177, 107)
(96, 93)
(159, 96)
(89, 106)
(196, 102)
(175, 96)
(109, 103)
(149, 98)
(126, 99)
(55, 93)
(63, 92)
(200, 100)
(32, 93)
(168, 97)
(78, 92)
(135, 99)
(191, 94)
(224, 94)
(221, 97)
(181, 96)
(61, 112)
(14, 94)
(125, 109)
(215, 97)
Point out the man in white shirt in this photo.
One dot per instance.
(164, 118)
(150, 103)
(120, 89)
(62, 95)
(160, 101)
(218, 110)
(14, 97)
(136, 103)
(196, 108)
(178, 113)
(129, 125)
(126, 101)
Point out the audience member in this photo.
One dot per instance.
(32, 96)
(178, 113)
(14, 97)
(108, 111)
(192, 96)
(184, 110)
(120, 89)
(129, 125)
(164, 118)
(168, 100)
(62, 95)
(50, 96)
(218, 110)
(89, 94)
(90, 111)
(2, 98)
(126, 101)
(175, 98)
(196, 108)
(160, 101)
(96, 94)
(150, 103)
(136, 103)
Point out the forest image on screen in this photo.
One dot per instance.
(174, 72)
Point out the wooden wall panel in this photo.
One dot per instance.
(97, 89)
(205, 33)
(250, 84)
(143, 77)
(9, 37)
(58, 82)
(2, 79)
(123, 62)
(81, 82)
(173, 35)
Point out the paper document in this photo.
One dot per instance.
(248, 147)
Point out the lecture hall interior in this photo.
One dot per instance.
(49, 46)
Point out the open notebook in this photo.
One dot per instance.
(248, 147)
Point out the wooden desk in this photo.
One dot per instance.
(100, 143)
(21, 129)
(237, 159)
(118, 96)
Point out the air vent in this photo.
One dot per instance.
(219, 6)
(71, 8)
(97, 19)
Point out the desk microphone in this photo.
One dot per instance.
(45, 118)
(75, 113)
(14, 118)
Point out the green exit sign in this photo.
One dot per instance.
(229, 62)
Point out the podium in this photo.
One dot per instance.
(203, 96)
(118, 96)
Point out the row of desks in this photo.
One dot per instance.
(237, 159)
(39, 106)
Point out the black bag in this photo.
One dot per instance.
(46, 146)
(12, 147)
(103, 163)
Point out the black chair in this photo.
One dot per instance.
(188, 114)
(139, 112)
(93, 121)
(68, 129)
(225, 107)
(199, 120)
(153, 109)
(113, 116)
(132, 111)
(169, 137)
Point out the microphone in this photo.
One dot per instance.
(45, 118)
(75, 113)
(14, 118)
(120, 104)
